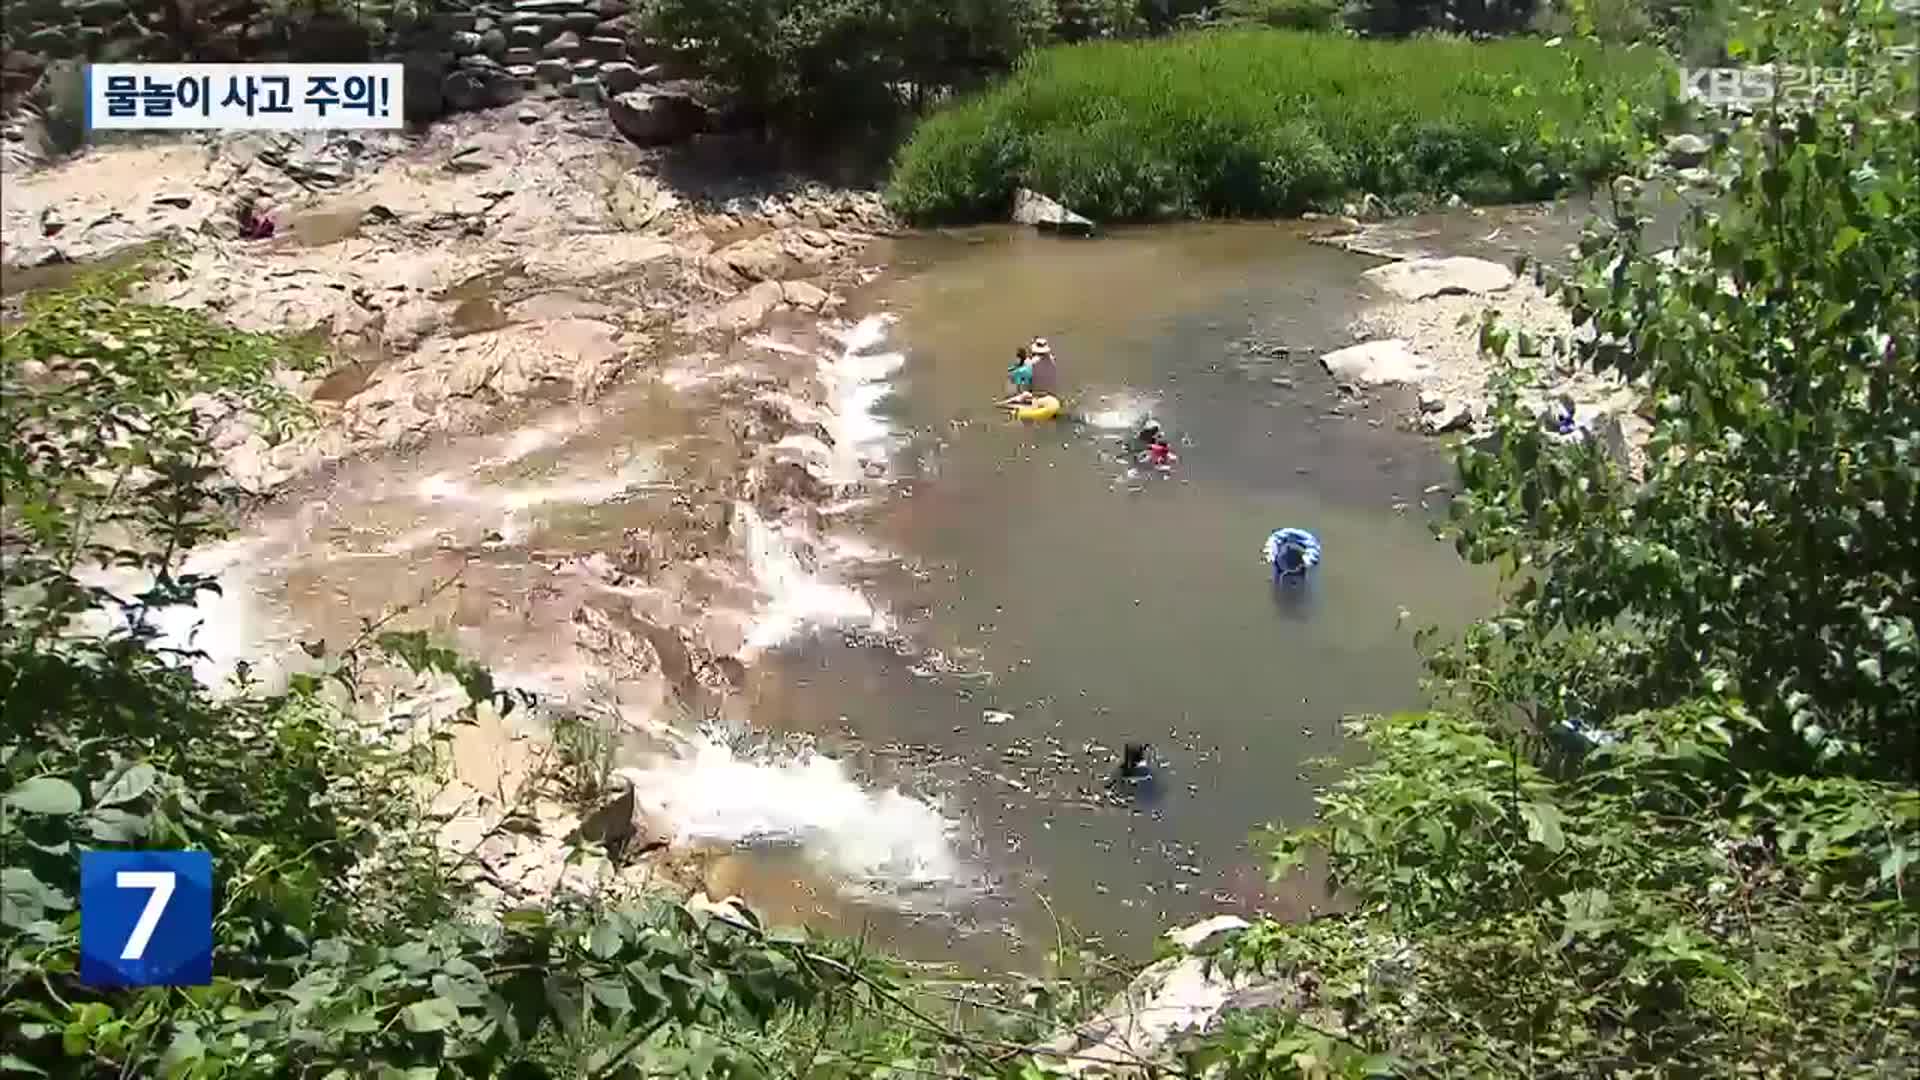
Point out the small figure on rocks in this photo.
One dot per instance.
(1133, 761)
(1564, 415)
(256, 222)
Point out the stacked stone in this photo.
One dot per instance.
(578, 47)
(36, 32)
(467, 54)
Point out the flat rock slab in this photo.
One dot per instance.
(1418, 279)
(1377, 363)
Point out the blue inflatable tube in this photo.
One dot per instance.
(1291, 552)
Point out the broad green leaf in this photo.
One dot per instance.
(433, 1014)
(1543, 825)
(112, 825)
(45, 795)
(611, 993)
(606, 939)
(183, 1053)
(124, 786)
(10, 1063)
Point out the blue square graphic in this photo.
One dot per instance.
(146, 918)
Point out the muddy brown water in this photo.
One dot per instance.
(1051, 602)
(1088, 606)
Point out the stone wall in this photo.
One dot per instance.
(460, 54)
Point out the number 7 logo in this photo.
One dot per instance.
(161, 882)
(146, 918)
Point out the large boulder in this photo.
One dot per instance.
(1134, 1034)
(1418, 279)
(1687, 150)
(657, 117)
(1035, 209)
(1376, 363)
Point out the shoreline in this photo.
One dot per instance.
(480, 276)
(733, 312)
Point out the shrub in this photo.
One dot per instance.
(1284, 14)
(343, 944)
(847, 64)
(1721, 882)
(1255, 122)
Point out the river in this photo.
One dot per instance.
(1079, 603)
(934, 708)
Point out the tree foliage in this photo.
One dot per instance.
(346, 945)
(1666, 821)
(848, 62)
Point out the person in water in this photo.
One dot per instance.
(1044, 377)
(1160, 453)
(1292, 552)
(1020, 376)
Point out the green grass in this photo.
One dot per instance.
(1261, 123)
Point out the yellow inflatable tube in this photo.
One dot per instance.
(1044, 407)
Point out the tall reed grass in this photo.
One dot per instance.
(1265, 123)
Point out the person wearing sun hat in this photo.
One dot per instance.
(1046, 377)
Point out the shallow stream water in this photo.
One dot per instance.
(1080, 602)
(1003, 605)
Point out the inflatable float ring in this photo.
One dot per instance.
(1045, 407)
(1303, 544)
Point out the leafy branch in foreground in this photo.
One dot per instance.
(345, 947)
(1665, 820)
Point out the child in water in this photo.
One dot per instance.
(1155, 449)
(1160, 453)
(1020, 375)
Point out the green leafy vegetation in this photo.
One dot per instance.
(849, 65)
(1662, 821)
(1716, 878)
(346, 943)
(1263, 123)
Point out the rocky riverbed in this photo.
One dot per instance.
(510, 280)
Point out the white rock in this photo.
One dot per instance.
(1208, 935)
(1418, 279)
(1376, 363)
(1035, 209)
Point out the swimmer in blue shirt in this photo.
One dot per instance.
(1020, 374)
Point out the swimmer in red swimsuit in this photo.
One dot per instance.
(1160, 453)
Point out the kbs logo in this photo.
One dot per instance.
(146, 918)
(1783, 84)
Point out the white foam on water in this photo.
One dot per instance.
(773, 344)
(796, 596)
(852, 549)
(635, 473)
(530, 440)
(857, 382)
(686, 378)
(229, 627)
(641, 470)
(1121, 412)
(878, 841)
